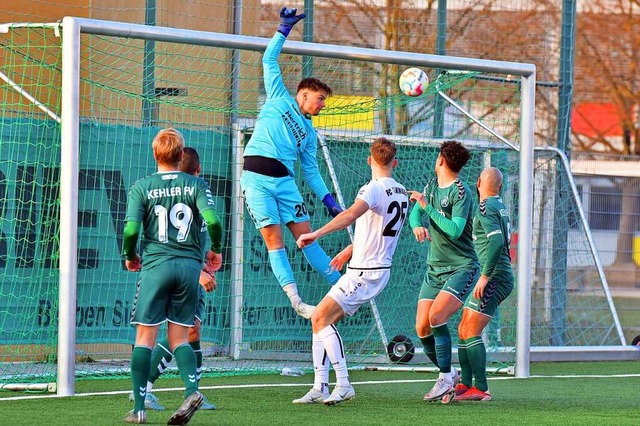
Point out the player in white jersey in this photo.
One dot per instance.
(379, 212)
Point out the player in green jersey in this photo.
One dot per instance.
(452, 264)
(162, 355)
(170, 206)
(491, 239)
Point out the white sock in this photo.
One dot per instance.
(320, 365)
(292, 293)
(149, 387)
(335, 350)
(446, 376)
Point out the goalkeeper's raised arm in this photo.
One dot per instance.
(282, 136)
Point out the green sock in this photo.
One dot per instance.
(198, 351)
(186, 360)
(443, 347)
(160, 359)
(477, 354)
(466, 374)
(429, 345)
(140, 362)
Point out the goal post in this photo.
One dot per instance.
(69, 178)
(73, 27)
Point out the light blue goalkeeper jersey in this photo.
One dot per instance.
(282, 131)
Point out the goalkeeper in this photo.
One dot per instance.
(496, 282)
(284, 134)
(452, 264)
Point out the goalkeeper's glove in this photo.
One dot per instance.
(331, 205)
(288, 19)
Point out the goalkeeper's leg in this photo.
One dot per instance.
(315, 255)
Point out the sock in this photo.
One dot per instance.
(282, 270)
(319, 261)
(320, 365)
(332, 343)
(292, 293)
(477, 354)
(160, 359)
(186, 360)
(198, 351)
(429, 345)
(466, 374)
(140, 364)
(443, 346)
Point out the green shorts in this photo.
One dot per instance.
(167, 292)
(497, 290)
(457, 282)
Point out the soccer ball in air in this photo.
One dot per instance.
(413, 82)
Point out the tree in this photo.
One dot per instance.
(608, 70)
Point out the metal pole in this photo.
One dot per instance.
(149, 109)
(307, 35)
(525, 227)
(70, 135)
(237, 244)
(441, 49)
(561, 217)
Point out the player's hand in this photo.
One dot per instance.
(478, 290)
(331, 205)
(421, 234)
(418, 197)
(213, 262)
(208, 281)
(133, 265)
(306, 239)
(288, 19)
(337, 263)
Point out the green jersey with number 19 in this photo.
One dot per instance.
(169, 205)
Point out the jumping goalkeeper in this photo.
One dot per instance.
(284, 134)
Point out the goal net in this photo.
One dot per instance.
(134, 80)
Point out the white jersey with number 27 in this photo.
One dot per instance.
(377, 231)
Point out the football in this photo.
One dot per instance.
(413, 82)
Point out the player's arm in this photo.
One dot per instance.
(130, 239)
(339, 222)
(214, 229)
(129, 242)
(311, 173)
(455, 226)
(490, 222)
(273, 84)
(416, 215)
(135, 213)
(337, 263)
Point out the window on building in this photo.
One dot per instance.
(604, 208)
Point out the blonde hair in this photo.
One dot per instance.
(168, 146)
(383, 151)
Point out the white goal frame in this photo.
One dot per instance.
(73, 27)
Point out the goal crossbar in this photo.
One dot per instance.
(72, 28)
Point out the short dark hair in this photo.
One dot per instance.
(315, 85)
(190, 161)
(455, 155)
(383, 151)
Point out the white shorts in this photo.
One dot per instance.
(356, 287)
